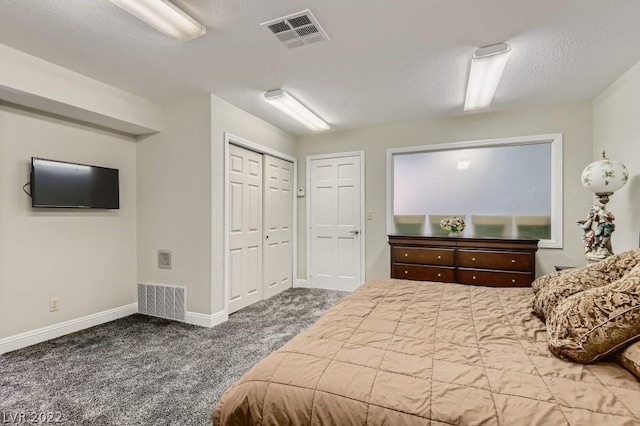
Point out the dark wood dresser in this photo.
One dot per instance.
(495, 262)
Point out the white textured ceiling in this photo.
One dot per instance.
(388, 60)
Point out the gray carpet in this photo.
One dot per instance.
(150, 371)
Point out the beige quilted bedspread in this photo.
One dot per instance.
(417, 353)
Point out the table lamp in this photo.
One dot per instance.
(603, 177)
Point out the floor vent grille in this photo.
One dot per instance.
(163, 301)
(297, 30)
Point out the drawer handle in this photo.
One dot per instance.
(406, 272)
(513, 280)
(473, 258)
(406, 254)
(439, 257)
(513, 261)
(474, 277)
(439, 275)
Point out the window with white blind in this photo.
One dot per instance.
(503, 188)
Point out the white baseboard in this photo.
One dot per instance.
(329, 286)
(32, 337)
(206, 320)
(302, 282)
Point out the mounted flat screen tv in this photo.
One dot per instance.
(69, 185)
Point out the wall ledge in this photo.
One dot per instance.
(32, 82)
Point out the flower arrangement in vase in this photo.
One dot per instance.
(453, 224)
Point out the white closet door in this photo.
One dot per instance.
(335, 211)
(245, 227)
(278, 225)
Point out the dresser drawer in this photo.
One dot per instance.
(422, 273)
(424, 256)
(494, 278)
(505, 260)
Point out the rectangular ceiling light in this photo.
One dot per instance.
(165, 17)
(294, 109)
(487, 65)
(463, 165)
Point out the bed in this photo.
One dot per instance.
(398, 352)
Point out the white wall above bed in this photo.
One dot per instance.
(574, 121)
(616, 129)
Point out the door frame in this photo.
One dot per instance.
(363, 209)
(231, 139)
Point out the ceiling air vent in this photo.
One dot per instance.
(297, 30)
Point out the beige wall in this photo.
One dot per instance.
(174, 201)
(616, 129)
(228, 118)
(181, 194)
(172, 192)
(86, 258)
(573, 120)
(171, 197)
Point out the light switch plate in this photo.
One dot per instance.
(165, 259)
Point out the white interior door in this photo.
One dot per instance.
(335, 221)
(245, 227)
(278, 225)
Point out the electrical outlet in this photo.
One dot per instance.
(54, 304)
(369, 215)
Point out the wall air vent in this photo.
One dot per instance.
(162, 301)
(297, 30)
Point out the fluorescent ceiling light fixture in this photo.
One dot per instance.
(165, 17)
(463, 165)
(487, 65)
(294, 109)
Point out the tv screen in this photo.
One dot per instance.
(60, 184)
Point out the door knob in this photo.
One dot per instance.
(354, 231)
